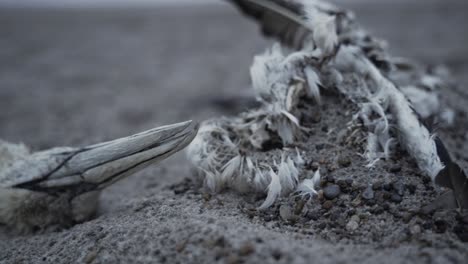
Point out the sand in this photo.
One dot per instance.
(75, 77)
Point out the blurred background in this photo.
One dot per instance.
(75, 72)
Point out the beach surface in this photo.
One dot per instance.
(72, 77)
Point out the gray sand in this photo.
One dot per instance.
(75, 77)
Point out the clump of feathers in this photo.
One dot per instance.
(392, 95)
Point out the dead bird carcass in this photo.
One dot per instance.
(324, 51)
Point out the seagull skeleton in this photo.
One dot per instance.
(60, 186)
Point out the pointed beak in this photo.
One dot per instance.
(100, 165)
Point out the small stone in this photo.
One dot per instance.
(321, 225)
(327, 205)
(464, 218)
(206, 196)
(353, 223)
(386, 206)
(344, 161)
(286, 212)
(396, 198)
(331, 191)
(411, 188)
(335, 214)
(356, 202)
(377, 210)
(343, 186)
(394, 168)
(377, 185)
(426, 180)
(233, 259)
(313, 215)
(440, 226)
(342, 183)
(355, 218)
(427, 225)
(368, 193)
(387, 186)
(379, 197)
(314, 165)
(387, 195)
(399, 187)
(349, 182)
(406, 217)
(246, 249)
(299, 206)
(462, 232)
(268, 218)
(220, 242)
(181, 246)
(91, 256)
(315, 118)
(415, 230)
(276, 254)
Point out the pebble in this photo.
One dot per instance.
(246, 249)
(353, 223)
(316, 118)
(335, 215)
(330, 179)
(314, 165)
(206, 196)
(380, 197)
(368, 193)
(399, 187)
(277, 254)
(327, 205)
(407, 217)
(331, 191)
(313, 215)
(440, 226)
(343, 186)
(356, 202)
(464, 218)
(387, 186)
(377, 210)
(396, 198)
(416, 229)
(286, 212)
(395, 168)
(411, 188)
(233, 259)
(322, 225)
(377, 185)
(427, 225)
(344, 161)
(91, 256)
(299, 206)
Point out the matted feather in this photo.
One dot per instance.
(279, 19)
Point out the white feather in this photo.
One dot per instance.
(274, 190)
(308, 186)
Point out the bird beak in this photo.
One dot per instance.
(100, 165)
